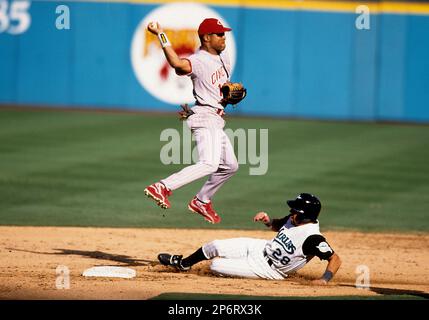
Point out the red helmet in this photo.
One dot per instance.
(211, 25)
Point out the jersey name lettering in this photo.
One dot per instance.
(219, 73)
(285, 242)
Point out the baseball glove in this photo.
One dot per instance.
(233, 93)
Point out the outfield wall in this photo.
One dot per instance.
(295, 61)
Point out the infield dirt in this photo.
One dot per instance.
(29, 257)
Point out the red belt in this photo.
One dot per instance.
(220, 112)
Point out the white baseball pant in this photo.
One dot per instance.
(215, 154)
(240, 257)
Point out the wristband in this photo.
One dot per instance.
(163, 40)
(327, 276)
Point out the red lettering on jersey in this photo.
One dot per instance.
(217, 75)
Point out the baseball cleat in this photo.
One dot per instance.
(204, 209)
(172, 260)
(159, 193)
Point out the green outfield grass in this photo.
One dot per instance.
(90, 169)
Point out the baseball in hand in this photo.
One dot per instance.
(262, 216)
(153, 25)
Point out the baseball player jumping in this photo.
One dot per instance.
(298, 240)
(209, 69)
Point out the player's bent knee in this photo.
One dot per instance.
(234, 167)
(211, 249)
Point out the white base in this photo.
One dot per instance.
(110, 272)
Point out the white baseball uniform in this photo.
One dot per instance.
(288, 252)
(215, 153)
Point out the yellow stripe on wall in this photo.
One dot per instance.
(338, 6)
(328, 6)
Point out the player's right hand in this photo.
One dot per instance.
(319, 282)
(154, 27)
(262, 216)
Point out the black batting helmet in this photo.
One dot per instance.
(306, 205)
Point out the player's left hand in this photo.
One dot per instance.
(319, 282)
(262, 216)
(233, 93)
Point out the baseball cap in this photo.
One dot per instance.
(211, 25)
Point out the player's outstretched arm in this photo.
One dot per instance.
(182, 66)
(334, 263)
(264, 217)
(274, 224)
